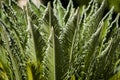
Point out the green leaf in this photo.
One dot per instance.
(13, 52)
(59, 11)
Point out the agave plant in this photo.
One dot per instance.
(54, 43)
